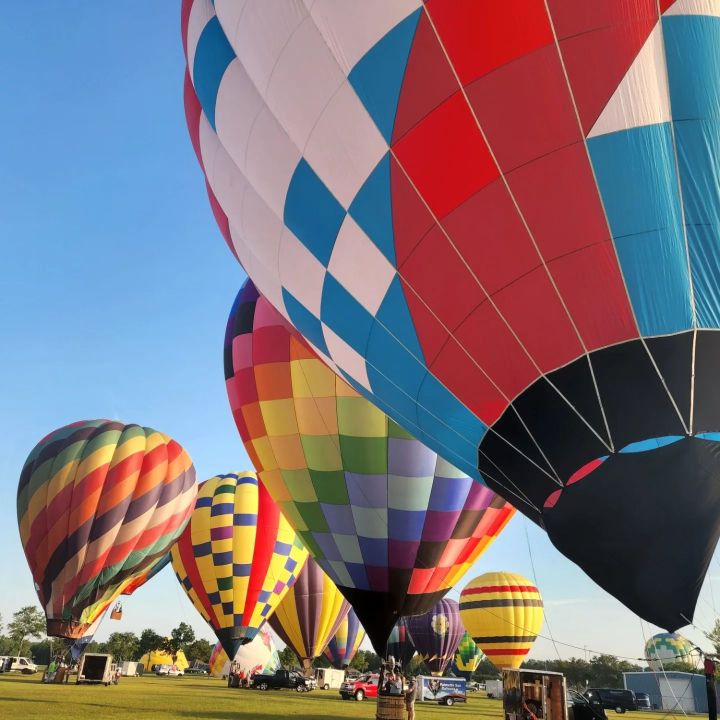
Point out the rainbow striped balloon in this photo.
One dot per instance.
(344, 645)
(98, 503)
(237, 557)
(503, 612)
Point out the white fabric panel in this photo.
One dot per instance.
(272, 158)
(301, 273)
(350, 361)
(409, 493)
(370, 522)
(262, 230)
(360, 267)
(352, 27)
(201, 13)
(642, 97)
(446, 470)
(342, 576)
(303, 82)
(345, 145)
(695, 7)
(260, 32)
(349, 547)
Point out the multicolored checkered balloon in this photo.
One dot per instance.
(99, 503)
(237, 557)
(344, 645)
(467, 657)
(390, 522)
(665, 649)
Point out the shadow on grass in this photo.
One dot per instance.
(24, 700)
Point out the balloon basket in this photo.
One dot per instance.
(390, 707)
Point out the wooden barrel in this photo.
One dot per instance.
(390, 707)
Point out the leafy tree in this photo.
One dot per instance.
(123, 646)
(27, 622)
(198, 651)
(149, 641)
(714, 636)
(288, 658)
(180, 638)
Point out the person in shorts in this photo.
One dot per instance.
(410, 698)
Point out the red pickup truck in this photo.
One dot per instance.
(360, 688)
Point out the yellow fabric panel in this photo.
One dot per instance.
(279, 416)
(317, 416)
(289, 452)
(363, 420)
(309, 373)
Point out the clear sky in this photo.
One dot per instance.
(115, 286)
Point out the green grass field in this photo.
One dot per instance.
(156, 698)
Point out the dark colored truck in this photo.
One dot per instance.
(284, 679)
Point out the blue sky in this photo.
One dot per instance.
(115, 285)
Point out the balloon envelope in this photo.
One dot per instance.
(664, 649)
(436, 634)
(503, 613)
(511, 247)
(344, 645)
(237, 557)
(258, 656)
(310, 613)
(390, 522)
(400, 644)
(99, 503)
(467, 657)
(149, 574)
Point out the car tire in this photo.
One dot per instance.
(263, 686)
(326, 686)
(619, 710)
(359, 695)
(449, 702)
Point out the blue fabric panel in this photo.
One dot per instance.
(222, 509)
(397, 364)
(377, 77)
(312, 212)
(651, 444)
(357, 575)
(242, 569)
(714, 436)
(245, 519)
(374, 551)
(635, 171)
(449, 496)
(212, 57)
(372, 209)
(405, 524)
(306, 323)
(395, 316)
(691, 44)
(343, 314)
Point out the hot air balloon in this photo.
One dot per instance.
(503, 613)
(510, 247)
(257, 656)
(309, 614)
(467, 657)
(343, 646)
(665, 649)
(400, 643)
(98, 503)
(391, 523)
(77, 646)
(149, 574)
(436, 634)
(237, 557)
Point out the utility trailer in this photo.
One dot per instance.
(95, 668)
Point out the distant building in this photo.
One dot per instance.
(673, 691)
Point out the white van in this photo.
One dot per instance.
(23, 665)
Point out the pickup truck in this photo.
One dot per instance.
(284, 679)
(360, 688)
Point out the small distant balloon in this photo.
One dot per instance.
(436, 634)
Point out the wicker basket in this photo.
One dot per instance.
(390, 707)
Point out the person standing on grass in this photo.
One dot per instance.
(410, 698)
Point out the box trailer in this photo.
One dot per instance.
(95, 668)
(329, 678)
(443, 690)
(129, 669)
(494, 688)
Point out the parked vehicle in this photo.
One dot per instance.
(473, 686)
(169, 670)
(643, 701)
(129, 669)
(329, 678)
(23, 665)
(197, 668)
(360, 688)
(494, 688)
(284, 679)
(617, 699)
(582, 708)
(95, 668)
(442, 690)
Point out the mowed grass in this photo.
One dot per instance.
(161, 698)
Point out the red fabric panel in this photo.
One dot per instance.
(428, 79)
(665, 4)
(525, 108)
(490, 235)
(446, 156)
(559, 199)
(411, 218)
(442, 280)
(454, 369)
(489, 341)
(593, 289)
(481, 36)
(599, 40)
(532, 308)
(268, 523)
(193, 110)
(184, 19)
(430, 332)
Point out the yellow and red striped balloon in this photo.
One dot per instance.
(98, 503)
(503, 612)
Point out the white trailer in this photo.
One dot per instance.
(329, 678)
(129, 669)
(494, 688)
(95, 668)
